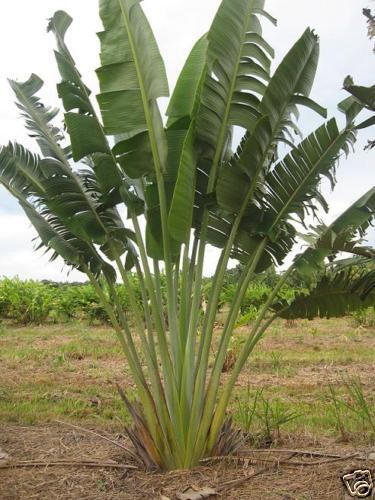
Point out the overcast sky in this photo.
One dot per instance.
(27, 48)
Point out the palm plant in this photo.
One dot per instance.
(182, 177)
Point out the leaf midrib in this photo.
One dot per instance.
(224, 126)
(311, 172)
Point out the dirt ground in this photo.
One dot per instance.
(311, 477)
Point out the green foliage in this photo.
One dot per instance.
(364, 317)
(363, 97)
(262, 418)
(274, 414)
(246, 408)
(35, 302)
(26, 301)
(78, 302)
(352, 404)
(40, 302)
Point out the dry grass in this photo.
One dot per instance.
(69, 373)
(50, 443)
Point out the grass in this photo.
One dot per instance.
(69, 372)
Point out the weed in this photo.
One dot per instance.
(246, 408)
(359, 408)
(364, 317)
(337, 406)
(358, 403)
(273, 416)
(250, 315)
(276, 361)
(261, 417)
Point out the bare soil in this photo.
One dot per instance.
(283, 480)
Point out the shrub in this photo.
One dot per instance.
(26, 301)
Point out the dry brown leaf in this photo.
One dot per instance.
(162, 497)
(194, 493)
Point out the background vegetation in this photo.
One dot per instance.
(35, 302)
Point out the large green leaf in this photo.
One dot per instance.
(351, 107)
(132, 75)
(292, 187)
(38, 117)
(365, 95)
(20, 171)
(70, 196)
(238, 73)
(294, 76)
(245, 173)
(183, 100)
(182, 141)
(73, 251)
(25, 176)
(181, 211)
(85, 130)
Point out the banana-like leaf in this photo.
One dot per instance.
(75, 252)
(239, 68)
(355, 220)
(87, 134)
(289, 86)
(365, 98)
(244, 171)
(334, 296)
(357, 262)
(37, 116)
(295, 75)
(351, 108)
(132, 75)
(292, 187)
(365, 95)
(183, 100)
(63, 194)
(182, 141)
(343, 235)
(85, 130)
(181, 211)
(20, 171)
(309, 103)
(24, 175)
(238, 72)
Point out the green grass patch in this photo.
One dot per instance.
(67, 371)
(44, 402)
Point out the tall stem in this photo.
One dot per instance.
(156, 305)
(159, 292)
(248, 347)
(146, 308)
(171, 390)
(211, 393)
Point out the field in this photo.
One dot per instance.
(313, 384)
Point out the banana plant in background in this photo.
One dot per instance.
(186, 178)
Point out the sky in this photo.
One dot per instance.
(27, 48)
